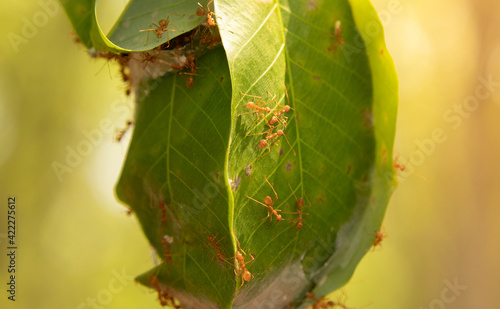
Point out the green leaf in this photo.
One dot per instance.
(126, 35)
(80, 14)
(385, 101)
(177, 155)
(341, 160)
(141, 14)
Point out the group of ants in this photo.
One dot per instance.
(165, 298)
(206, 35)
(271, 139)
(278, 119)
(190, 67)
(207, 38)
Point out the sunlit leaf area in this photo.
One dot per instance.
(61, 111)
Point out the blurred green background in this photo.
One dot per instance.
(78, 246)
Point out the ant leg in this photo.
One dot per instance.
(208, 6)
(307, 201)
(289, 144)
(147, 41)
(259, 115)
(253, 96)
(253, 259)
(276, 194)
(268, 151)
(267, 132)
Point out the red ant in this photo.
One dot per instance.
(213, 41)
(163, 211)
(118, 137)
(190, 64)
(220, 256)
(258, 108)
(269, 202)
(379, 236)
(166, 241)
(400, 167)
(271, 140)
(299, 204)
(160, 29)
(322, 303)
(75, 37)
(242, 270)
(279, 111)
(162, 207)
(146, 57)
(201, 11)
(163, 296)
(338, 33)
(264, 143)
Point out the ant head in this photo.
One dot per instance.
(278, 218)
(300, 202)
(211, 21)
(162, 23)
(300, 225)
